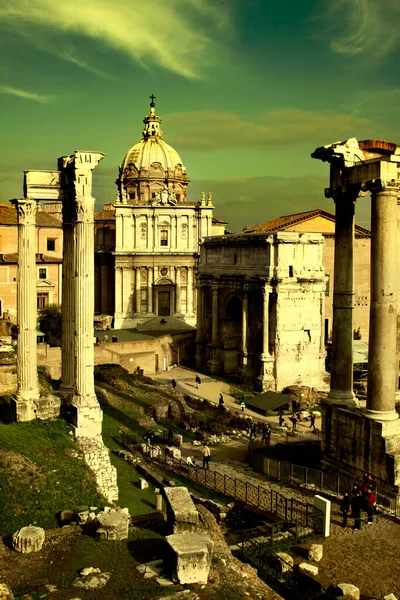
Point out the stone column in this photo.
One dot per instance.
(243, 352)
(27, 381)
(382, 358)
(398, 296)
(341, 388)
(266, 380)
(177, 291)
(118, 296)
(215, 316)
(137, 289)
(150, 281)
(189, 296)
(68, 299)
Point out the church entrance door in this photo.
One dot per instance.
(164, 304)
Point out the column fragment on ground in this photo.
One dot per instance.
(68, 301)
(28, 389)
(341, 390)
(382, 359)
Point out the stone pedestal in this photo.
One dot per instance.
(28, 539)
(193, 553)
(182, 515)
(114, 524)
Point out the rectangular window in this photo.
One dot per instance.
(43, 273)
(163, 237)
(51, 245)
(290, 271)
(42, 299)
(132, 195)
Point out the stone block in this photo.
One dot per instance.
(113, 524)
(193, 553)
(310, 570)
(388, 597)
(284, 562)
(182, 515)
(301, 532)
(28, 539)
(91, 578)
(177, 439)
(143, 484)
(348, 591)
(315, 552)
(5, 592)
(174, 452)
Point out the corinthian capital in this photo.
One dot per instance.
(26, 211)
(381, 185)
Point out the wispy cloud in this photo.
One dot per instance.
(5, 89)
(179, 36)
(209, 130)
(367, 29)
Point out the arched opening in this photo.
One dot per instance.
(232, 334)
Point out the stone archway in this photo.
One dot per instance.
(232, 334)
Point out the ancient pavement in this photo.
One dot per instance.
(367, 558)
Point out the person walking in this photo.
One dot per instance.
(173, 383)
(243, 405)
(345, 508)
(197, 381)
(169, 440)
(281, 421)
(312, 421)
(221, 400)
(265, 430)
(293, 419)
(370, 505)
(206, 456)
(253, 431)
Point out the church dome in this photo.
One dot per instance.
(151, 165)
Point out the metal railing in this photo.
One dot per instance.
(289, 509)
(323, 481)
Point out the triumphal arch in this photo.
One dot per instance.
(365, 438)
(71, 184)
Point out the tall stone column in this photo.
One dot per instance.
(382, 358)
(341, 388)
(177, 291)
(68, 300)
(243, 350)
(398, 297)
(118, 295)
(137, 289)
(266, 380)
(27, 380)
(150, 281)
(215, 316)
(189, 297)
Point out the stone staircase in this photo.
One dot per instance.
(166, 324)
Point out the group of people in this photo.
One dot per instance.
(361, 499)
(294, 419)
(190, 461)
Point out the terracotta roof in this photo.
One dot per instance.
(105, 215)
(8, 216)
(40, 258)
(219, 221)
(285, 222)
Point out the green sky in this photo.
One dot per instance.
(246, 90)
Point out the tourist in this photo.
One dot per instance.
(221, 400)
(243, 405)
(345, 508)
(206, 456)
(148, 437)
(293, 419)
(253, 431)
(370, 505)
(266, 433)
(190, 461)
(356, 508)
(173, 383)
(198, 381)
(282, 422)
(312, 421)
(169, 440)
(169, 412)
(366, 484)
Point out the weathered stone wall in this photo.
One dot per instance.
(358, 445)
(8, 378)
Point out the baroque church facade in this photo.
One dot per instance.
(147, 241)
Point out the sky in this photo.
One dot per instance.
(246, 90)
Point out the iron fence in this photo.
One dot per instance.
(289, 509)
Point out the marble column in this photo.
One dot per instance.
(118, 292)
(215, 316)
(68, 299)
(341, 387)
(27, 380)
(189, 297)
(243, 351)
(200, 312)
(150, 281)
(137, 289)
(177, 291)
(266, 380)
(398, 297)
(382, 358)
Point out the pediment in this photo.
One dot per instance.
(163, 281)
(45, 284)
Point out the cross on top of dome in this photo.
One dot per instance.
(151, 122)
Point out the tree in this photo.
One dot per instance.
(49, 321)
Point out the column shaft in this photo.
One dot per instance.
(137, 289)
(341, 389)
(28, 388)
(68, 298)
(215, 316)
(382, 358)
(150, 281)
(189, 293)
(244, 322)
(177, 290)
(265, 321)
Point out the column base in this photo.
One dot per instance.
(266, 380)
(343, 398)
(86, 420)
(23, 411)
(381, 415)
